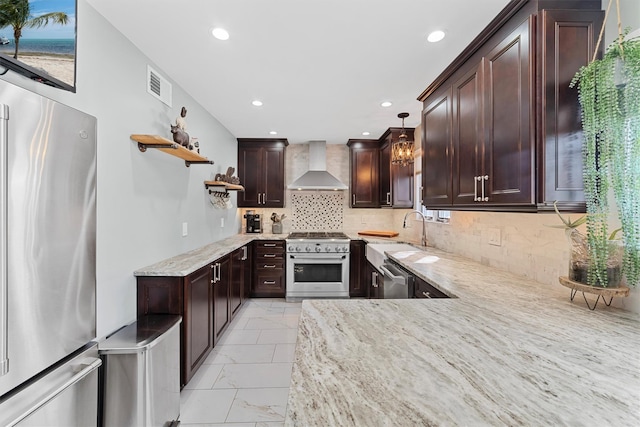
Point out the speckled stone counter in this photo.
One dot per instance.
(506, 351)
(188, 262)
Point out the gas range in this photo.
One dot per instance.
(317, 242)
(317, 265)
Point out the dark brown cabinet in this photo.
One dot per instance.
(364, 182)
(374, 281)
(396, 182)
(357, 263)
(501, 128)
(192, 298)
(240, 280)
(425, 290)
(261, 172)
(221, 285)
(269, 277)
(436, 154)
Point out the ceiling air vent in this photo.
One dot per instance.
(158, 86)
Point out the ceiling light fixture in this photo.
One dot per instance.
(220, 33)
(256, 103)
(386, 104)
(273, 132)
(402, 149)
(366, 133)
(435, 36)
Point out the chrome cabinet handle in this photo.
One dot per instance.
(269, 282)
(269, 245)
(269, 266)
(353, 198)
(4, 188)
(244, 253)
(426, 294)
(389, 198)
(258, 198)
(269, 255)
(374, 279)
(264, 198)
(219, 270)
(484, 179)
(475, 188)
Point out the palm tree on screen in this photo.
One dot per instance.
(17, 14)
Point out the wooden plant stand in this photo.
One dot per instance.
(604, 293)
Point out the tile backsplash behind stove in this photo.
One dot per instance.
(317, 211)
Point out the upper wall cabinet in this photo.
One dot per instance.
(396, 182)
(261, 172)
(365, 167)
(501, 127)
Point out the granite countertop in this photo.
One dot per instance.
(505, 351)
(188, 262)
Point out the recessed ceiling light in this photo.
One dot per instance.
(220, 33)
(366, 133)
(273, 132)
(435, 36)
(257, 103)
(386, 104)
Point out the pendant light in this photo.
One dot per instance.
(402, 149)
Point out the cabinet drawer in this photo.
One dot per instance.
(269, 244)
(269, 257)
(269, 284)
(425, 290)
(270, 265)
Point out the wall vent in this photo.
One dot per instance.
(158, 86)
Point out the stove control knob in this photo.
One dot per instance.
(307, 248)
(318, 248)
(290, 249)
(344, 249)
(327, 248)
(298, 249)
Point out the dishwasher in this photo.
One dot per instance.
(398, 283)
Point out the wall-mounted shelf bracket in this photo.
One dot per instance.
(221, 186)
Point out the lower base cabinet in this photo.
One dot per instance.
(207, 300)
(374, 282)
(269, 275)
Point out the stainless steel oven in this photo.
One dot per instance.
(317, 265)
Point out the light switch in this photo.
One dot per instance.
(185, 229)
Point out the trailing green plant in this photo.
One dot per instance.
(609, 94)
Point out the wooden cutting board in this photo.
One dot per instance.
(378, 233)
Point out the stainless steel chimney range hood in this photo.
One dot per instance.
(317, 177)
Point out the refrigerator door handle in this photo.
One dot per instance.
(4, 177)
(88, 365)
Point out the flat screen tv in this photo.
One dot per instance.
(38, 40)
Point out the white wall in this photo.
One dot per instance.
(143, 198)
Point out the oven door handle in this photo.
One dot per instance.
(316, 257)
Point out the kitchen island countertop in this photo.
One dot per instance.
(504, 351)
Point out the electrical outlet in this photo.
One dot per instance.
(221, 222)
(495, 238)
(185, 229)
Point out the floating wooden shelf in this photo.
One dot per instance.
(604, 293)
(169, 147)
(225, 185)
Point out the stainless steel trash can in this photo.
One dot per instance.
(141, 373)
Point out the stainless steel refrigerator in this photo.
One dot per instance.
(48, 361)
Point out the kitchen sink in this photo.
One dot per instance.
(375, 252)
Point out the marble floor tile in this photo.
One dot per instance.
(284, 353)
(277, 336)
(261, 312)
(254, 375)
(241, 353)
(260, 404)
(292, 310)
(205, 406)
(240, 336)
(204, 378)
(284, 322)
(239, 322)
(269, 424)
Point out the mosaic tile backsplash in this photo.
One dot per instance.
(317, 211)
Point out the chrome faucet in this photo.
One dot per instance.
(423, 242)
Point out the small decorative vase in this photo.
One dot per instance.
(276, 228)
